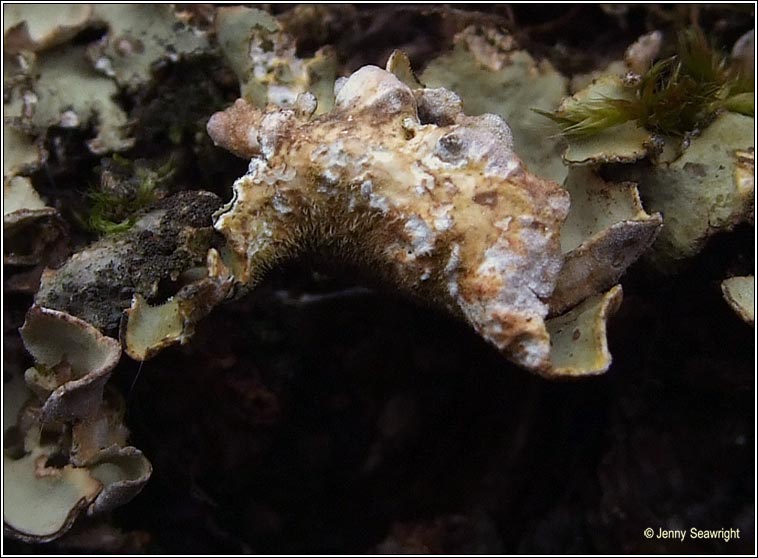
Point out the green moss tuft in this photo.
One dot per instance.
(126, 187)
(675, 97)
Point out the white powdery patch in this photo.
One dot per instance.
(490, 143)
(439, 105)
(424, 180)
(497, 146)
(413, 125)
(261, 237)
(104, 65)
(480, 140)
(525, 274)
(252, 138)
(496, 126)
(68, 119)
(487, 321)
(255, 168)
(502, 165)
(262, 60)
(422, 237)
(258, 171)
(543, 268)
(306, 104)
(273, 126)
(375, 201)
(451, 269)
(434, 162)
(265, 60)
(379, 202)
(30, 102)
(334, 160)
(280, 204)
(533, 353)
(371, 85)
(513, 270)
(443, 221)
(504, 223)
(282, 95)
(522, 276)
(560, 204)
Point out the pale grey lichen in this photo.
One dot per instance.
(138, 38)
(739, 293)
(35, 27)
(62, 414)
(264, 59)
(606, 231)
(579, 345)
(709, 188)
(30, 227)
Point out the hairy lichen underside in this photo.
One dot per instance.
(442, 209)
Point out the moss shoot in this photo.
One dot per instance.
(677, 96)
(126, 187)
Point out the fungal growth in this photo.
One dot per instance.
(401, 182)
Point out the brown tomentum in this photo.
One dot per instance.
(399, 183)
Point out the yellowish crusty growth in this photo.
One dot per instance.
(399, 182)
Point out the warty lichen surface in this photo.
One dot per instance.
(399, 183)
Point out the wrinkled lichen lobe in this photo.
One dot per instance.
(400, 182)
